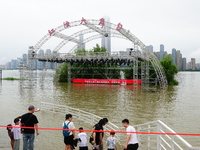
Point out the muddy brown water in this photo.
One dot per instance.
(178, 107)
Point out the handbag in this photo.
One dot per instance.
(91, 139)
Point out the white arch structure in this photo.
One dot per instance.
(92, 25)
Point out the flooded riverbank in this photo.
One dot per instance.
(178, 107)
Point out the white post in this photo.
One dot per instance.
(139, 137)
(158, 136)
(149, 137)
(172, 142)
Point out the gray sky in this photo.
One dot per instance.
(174, 23)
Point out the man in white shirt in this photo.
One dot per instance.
(83, 138)
(68, 139)
(131, 141)
(17, 134)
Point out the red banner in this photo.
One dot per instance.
(107, 81)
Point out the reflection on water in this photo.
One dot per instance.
(178, 107)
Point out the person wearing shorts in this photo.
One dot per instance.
(68, 140)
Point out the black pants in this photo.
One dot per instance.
(132, 146)
(83, 148)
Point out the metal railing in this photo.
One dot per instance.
(80, 115)
(161, 141)
(146, 141)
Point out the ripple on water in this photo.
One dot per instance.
(178, 107)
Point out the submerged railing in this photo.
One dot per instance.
(162, 141)
(80, 115)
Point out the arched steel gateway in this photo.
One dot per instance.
(139, 53)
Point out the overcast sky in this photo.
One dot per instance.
(174, 23)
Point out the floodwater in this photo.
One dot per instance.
(178, 107)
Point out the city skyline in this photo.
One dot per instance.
(23, 26)
(178, 58)
(182, 63)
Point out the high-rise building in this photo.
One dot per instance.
(48, 52)
(165, 53)
(184, 64)
(81, 45)
(179, 59)
(14, 64)
(174, 55)
(106, 39)
(40, 64)
(193, 64)
(198, 66)
(24, 59)
(162, 50)
(48, 65)
(150, 47)
(8, 65)
(181, 62)
(158, 55)
(188, 66)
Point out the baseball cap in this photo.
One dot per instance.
(31, 107)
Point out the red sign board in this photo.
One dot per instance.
(107, 81)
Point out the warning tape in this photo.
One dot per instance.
(59, 129)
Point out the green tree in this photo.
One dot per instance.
(61, 73)
(81, 52)
(170, 69)
(99, 49)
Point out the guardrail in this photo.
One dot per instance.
(161, 141)
(81, 115)
(146, 141)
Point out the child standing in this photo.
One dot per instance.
(17, 134)
(111, 141)
(83, 138)
(10, 134)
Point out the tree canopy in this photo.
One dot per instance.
(170, 70)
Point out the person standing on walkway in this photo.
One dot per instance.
(111, 141)
(29, 120)
(69, 136)
(131, 140)
(10, 134)
(98, 136)
(83, 139)
(17, 134)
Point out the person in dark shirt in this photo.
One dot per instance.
(98, 136)
(105, 120)
(29, 120)
(10, 134)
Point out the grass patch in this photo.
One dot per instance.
(11, 78)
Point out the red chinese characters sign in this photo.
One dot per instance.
(102, 22)
(119, 27)
(51, 31)
(107, 81)
(66, 24)
(83, 20)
